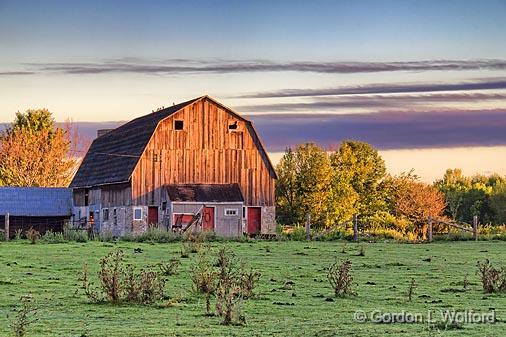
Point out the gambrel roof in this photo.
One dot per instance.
(112, 157)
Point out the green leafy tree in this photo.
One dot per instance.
(33, 152)
(360, 166)
(498, 203)
(302, 188)
(467, 197)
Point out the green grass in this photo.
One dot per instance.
(49, 272)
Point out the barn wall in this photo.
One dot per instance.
(119, 225)
(78, 195)
(205, 151)
(40, 224)
(228, 226)
(116, 195)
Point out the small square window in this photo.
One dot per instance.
(138, 214)
(164, 205)
(178, 125)
(231, 211)
(105, 214)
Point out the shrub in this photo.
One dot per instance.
(144, 287)
(2, 235)
(191, 244)
(185, 250)
(32, 235)
(121, 283)
(228, 301)
(234, 285)
(169, 268)
(204, 279)
(249, 280)
(18, 234)
(493, 280)
(297, 233)
(155, 235)
(228, 280)
(340, 278)
(24, 317)
(75, 235)
(106, 236)
(52, 237)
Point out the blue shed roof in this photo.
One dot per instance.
(35, 201)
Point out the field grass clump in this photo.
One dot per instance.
(227, 280)
(169, 268)
(53, 237)
(153, 235)
(32, 235)
(24, 316)
(340, 278)
(75, 235)
(120, 282)
(493, 279)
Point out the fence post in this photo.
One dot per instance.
(355, 227)
(430, 229)
(475, 227)
(6, 227)
(308, 227)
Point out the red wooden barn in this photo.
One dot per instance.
(196, 157)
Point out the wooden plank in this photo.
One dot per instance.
(7, 227)
(204, 152)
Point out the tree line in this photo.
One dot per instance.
(331, 186)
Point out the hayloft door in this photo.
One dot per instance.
(254, 220)
(208, 220)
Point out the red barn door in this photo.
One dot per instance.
(254, 220)
(208, 220)
(152, 215)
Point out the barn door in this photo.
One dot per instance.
(254, 220)
(208, 219)
(152, 215)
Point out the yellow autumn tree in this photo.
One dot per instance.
(34, 152)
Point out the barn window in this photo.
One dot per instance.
(164, 205)
(178, 125)
(115, 216)
(138, 214)
(105, 214)
(231, 211)
(244, 212)
(232, 126)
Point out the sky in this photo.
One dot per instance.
(423, 81)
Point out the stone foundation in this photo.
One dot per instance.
(268, 220)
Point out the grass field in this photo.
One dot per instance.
(50, 272)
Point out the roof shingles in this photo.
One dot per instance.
(204, 193)
(113, 156)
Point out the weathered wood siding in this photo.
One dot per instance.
(106, 195)
(116, 195)
(205, 151)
